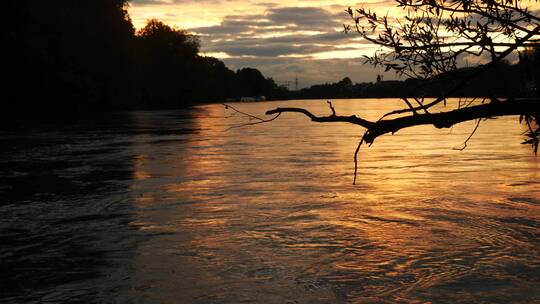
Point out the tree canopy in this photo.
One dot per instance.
(85, 56)
(429, 42)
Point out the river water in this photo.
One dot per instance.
(174, 207)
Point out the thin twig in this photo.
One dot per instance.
(331, 107)
(409, 104)
(250, 116)
(243, 113)
(356, 157)
(470, 136)
(252, 123)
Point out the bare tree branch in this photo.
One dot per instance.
(439, 120)
(333, 118)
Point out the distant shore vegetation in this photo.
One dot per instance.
(519, 79)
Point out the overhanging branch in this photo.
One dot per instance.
(439, 120)
(333, 118)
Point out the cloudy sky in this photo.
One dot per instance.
(282, 38)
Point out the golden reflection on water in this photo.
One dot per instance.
(268, 214)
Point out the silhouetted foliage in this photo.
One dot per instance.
(340, 89)
(65, 55)
(167, 58)
(250, 82)
(436, 34)
(84, 56)
(518, 80)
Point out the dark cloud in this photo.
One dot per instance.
(295, 44)
(260, 50)
(234, 25)
(279, 32)
(275, 49)
(329, 37)
(289, 18)
(273, 41)
(305, 18)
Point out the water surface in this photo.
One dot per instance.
(174, 207)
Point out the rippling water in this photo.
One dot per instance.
(171, 207)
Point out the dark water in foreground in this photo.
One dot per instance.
(168, 207)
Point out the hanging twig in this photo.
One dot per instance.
(470, 136)
(243, 113)
(252, 123)
(356, 158)
(250, 116)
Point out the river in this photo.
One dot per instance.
(175, 207)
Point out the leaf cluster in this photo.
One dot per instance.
(433, 35)
(533, 131)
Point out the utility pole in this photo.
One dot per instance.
(296, 83)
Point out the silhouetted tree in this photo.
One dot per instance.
(219, 82)
(65, 55)
(341, 89)
(84, 56)
(251, 82)
(167, 58)
(430, 40)
(173, 74)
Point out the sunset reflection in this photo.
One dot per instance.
(271, 208)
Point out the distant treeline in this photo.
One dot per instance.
(85, 56)
(507, 80)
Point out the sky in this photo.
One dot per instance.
(283, 39)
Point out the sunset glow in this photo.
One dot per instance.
(284, 39)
